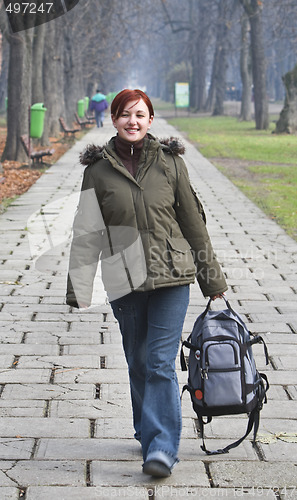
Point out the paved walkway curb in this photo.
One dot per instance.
(65, 417)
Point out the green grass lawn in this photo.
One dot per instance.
(267, 163)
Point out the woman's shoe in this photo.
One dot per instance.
(156, 468)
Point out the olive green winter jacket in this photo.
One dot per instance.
(148, 231)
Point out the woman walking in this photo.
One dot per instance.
(147, 226)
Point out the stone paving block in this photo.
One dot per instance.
(20, 408)
(5, 480)
(85, 493)
(7, 493)
(33, 326)
(29, 350)
(279, 409)
(129, 473)
(9, 275)
(280, 449)
(269, 327)
(16, 300)
(292, 390)
(234, 427)
(6, 360)
(190, 450)
(258, 475)
(73, 361)
(115, 392)
(280, 340)
(52, 316)
(36, 473)
(88, 449)
(14, 316)
(277, 393)
(48, 392)
(282, 377)
(92, 409)
(18, 376)
(92, 339)
(283, 350)
(16, 449)
(8, 335)
(105, 427)
(90, 376)
(284, 362)
(43, 427)
(76, 328)
(98, 350)
(35, 308)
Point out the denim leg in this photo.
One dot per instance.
(131, 313)
(161, 411)
(151, 326)
(97, 118)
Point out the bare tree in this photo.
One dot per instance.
(245, 69)
(253, 8)
(287, 121)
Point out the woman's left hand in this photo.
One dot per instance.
(219, 296)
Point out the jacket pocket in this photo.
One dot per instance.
(180, 259)
(124, 271)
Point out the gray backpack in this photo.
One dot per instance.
(222, 374)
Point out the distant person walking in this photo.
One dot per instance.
(99, 104)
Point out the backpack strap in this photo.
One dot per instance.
(253, 422)
(259, 340)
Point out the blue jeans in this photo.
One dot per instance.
(151, 326)
(99, 117)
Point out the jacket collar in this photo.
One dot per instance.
(93, 153)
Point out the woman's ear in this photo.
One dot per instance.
(150, 121)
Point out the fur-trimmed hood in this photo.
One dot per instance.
(93, 153)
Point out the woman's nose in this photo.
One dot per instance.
(132, 119)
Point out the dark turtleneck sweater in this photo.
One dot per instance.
(129, 154)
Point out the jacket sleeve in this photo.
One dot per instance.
(191, 219)
(88, 228)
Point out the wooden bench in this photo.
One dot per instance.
(36, 156)
(68, 131)
(83, 123)
(90, 118)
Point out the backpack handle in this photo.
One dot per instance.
(210, 301)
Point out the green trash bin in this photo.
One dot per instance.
(37, 120)
(87, 100)
(81, 108)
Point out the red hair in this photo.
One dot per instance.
(126, 95)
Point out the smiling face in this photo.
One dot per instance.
(134, 121)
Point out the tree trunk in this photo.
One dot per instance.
(198, 43)
(221, 49)
(73, 86)
(245, 70)
(287, 121)
(38, 48)
(19, 94)
(53, 80)
(4, 72)
(254, 10)
(211, 98)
